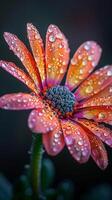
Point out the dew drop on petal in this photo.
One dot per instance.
(52, 38)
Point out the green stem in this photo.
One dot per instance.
(35, 166)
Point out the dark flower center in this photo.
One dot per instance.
(61, 99)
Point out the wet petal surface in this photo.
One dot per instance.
(37, 47)
(98, 114)
(76, 141)
(20, 101)
(57, 55)
(96, 82)
(54, 141)
(82, 64)
(105, 134)
(43, 120)
(19, 74)
(25, 56)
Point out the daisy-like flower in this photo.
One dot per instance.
(66, 114)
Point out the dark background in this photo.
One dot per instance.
(80, 21)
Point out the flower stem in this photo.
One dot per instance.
(35, 166)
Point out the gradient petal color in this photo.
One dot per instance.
(62, 116)
(76, 140)
(96, 82)
(37, 47)
(25, 56)
(105, 134)
(103, 98)
(20, 101)
(57, 55)
(43, 120)
(98, 114)
(98, 151)
(54, 141)
(83, 62)
(19, 74)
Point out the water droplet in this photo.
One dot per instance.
(81, 71)
(59, 35)
(109, 73)
(73, 62)
(101, 116)
(61, 71)
(86, 47)
(90, 58)
(89, 89)
(110, 89)
(84, 62)
(52, 38)
(80, 142)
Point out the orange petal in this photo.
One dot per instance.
(25, 56)
(36, 44)
(96, 82)
(57, 55)
(43, 120)
(104, 133)
(19, 74)
(98, 114)
(54, 141)
(83, 62)
(76, 141)
(20, 101)
(103, 98)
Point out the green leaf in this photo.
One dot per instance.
(5, 189)
(48, 173)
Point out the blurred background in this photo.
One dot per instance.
(80, 21)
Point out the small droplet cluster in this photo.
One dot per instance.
(20, 101)
(82, 63)
(19, 74)
(36, 44)
(21, 51)
(56, 140)
(57, 55)
(61, 98)
(101, 131)
(43, 120)
(76, 141)
(95, 83)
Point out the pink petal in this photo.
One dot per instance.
(19, 74)
(76, 141)
(25, 56)
(43, 120)
(105, 134)
(98, 151)
(57, 55)
(82, 64)
(96, 82)
(54, 141)
(98, 113)
(20, 101)
(36, 44)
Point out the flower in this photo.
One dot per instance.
(68, 114)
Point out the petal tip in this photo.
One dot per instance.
(29, 26)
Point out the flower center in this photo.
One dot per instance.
(61, 99)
